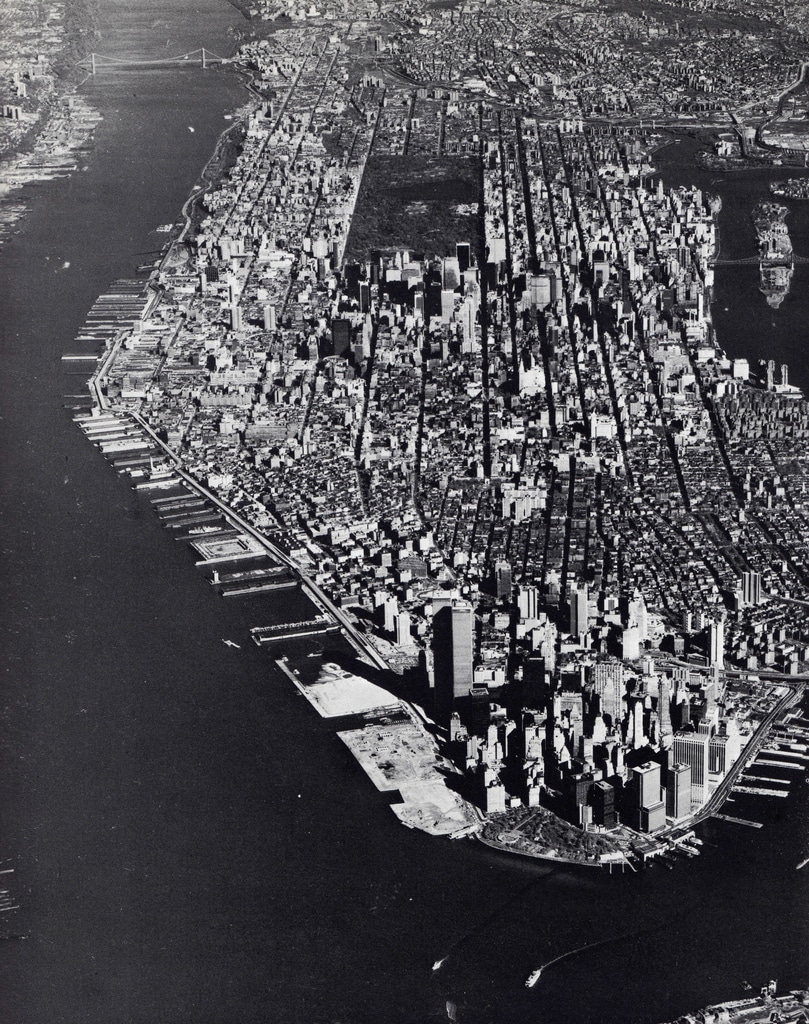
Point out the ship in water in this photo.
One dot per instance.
(210, 528)
(777, 259)
(533, 978)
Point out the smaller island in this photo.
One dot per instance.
(775, 251)
(792, 188)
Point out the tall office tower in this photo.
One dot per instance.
(479, 715)
(269, 317)
(340, 337)
(664, 713)
(751, 589)
(469, 312)
(604, 804)
(682, 712)
(453, 629)
(646, 783)
(544, 643)
(691, 748)
(534, 691)
(528, 602)
(648, 811)
(608, 683)
(770, 374)
(502, 579)
(463, 253)
(578, 610)
(716, 644)
(784, 374)
(637, 735)
(637, 615)
(678, 791)
(450, 273)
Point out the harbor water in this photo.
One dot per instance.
(191, 844)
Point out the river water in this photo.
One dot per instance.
(746, 325)
(191, 844)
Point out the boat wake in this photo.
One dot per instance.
(534, 977)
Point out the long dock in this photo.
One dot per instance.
(260, 588)
(292, 630)
(763, 778)
(738, 821)
(779, 764)
(247, 574)
(192, 519)
(181, 506)
(791, 755)
(224, 534)
(189, 496)
(760, 791)
(235, 557)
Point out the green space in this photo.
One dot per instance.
(422, 203)
(541, 833)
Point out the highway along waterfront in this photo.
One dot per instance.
(191, 843)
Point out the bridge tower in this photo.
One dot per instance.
(92, 63)
(203, 57)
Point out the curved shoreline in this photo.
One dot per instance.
(567, 861)
(205, 183)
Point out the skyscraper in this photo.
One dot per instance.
(646, 783)
(578, 610)
(716, 643)
(453, 628)
(751, 588)
(608, 683)
(691, 748)
(678, 791)
(664, 713)
(604, 804)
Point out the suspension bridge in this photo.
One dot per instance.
(96, 62)
(765, 261)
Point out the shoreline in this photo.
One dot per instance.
(566, 861)
(212, 172)
(32, 159)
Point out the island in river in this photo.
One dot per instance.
(775, 251)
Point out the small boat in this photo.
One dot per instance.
(533, 978)
(231, 643)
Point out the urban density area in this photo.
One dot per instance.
(436, 344)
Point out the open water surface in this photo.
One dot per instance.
(191, 844)
(746, 325)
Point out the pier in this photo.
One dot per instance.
(218, 580)
(738, 821)
(760, 791)
(260, 588)
(235, 557)
(291, 630)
